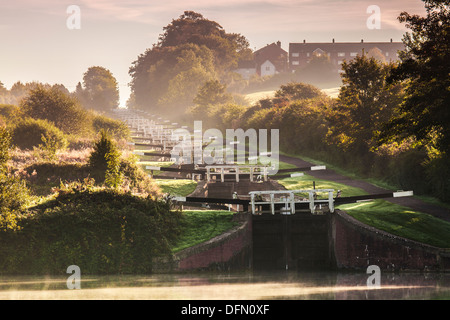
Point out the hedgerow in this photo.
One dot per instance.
(103, 231)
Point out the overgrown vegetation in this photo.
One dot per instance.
(101, 211)
(30, 133)
(68, 196)
(14, 195)
(103, 231)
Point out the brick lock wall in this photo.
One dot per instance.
(357, 246)
(231, 250)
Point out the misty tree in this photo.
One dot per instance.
(173, 76)
(377, 54)
(3, 90)
(101, 90)
(298, 91)
(212, 93)
(52, 104)
(190, 51)
(192, 27)
(20, 90)
(318, 70)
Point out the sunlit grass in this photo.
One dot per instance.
(254, 97)
(374, 181)
(381, 214)
(401, 221)
(178, 187)
(306, 182)
(202, 225)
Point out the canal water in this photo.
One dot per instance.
(232, 286)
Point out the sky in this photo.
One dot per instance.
(36, 43)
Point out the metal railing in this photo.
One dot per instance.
(236, 170)
(289, 198)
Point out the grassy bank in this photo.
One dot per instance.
(201, 225)
(103, 231)
(307, 182)
(401, 221)
(376, 182)
(177, 187)
(383, 215)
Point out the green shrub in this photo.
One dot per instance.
(113, 175)
(5, 143)
(101, 231)
(138, 179)
(29, 133)
(14, 194)
(298, 91)
(53, 105)
(105, 151)
(9, 111)
(43, 176)
(116, 128)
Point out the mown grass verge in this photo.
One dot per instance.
(401, 221)
(176, 187)
(202, 225)
(383, 215)
(307, 182)
(376, 182)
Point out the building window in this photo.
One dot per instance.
(295, 54)
(340, 62)
(341, 54)
(307, 54)
(387, 54)
(353, 54)
(267, 68)
(295, 63)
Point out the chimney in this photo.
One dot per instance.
(304, 41)
(391, 40)
(362, 40)
(279, 44)
(333, 40)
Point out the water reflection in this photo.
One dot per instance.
(232, 286)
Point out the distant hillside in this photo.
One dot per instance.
(254, 97)
(332, 92)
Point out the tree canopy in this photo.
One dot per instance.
(425, 70)
(51, 104)
(191, 51)
(101, 91)
(298, 91)
(365, 102)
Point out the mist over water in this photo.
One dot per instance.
(231, 286)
